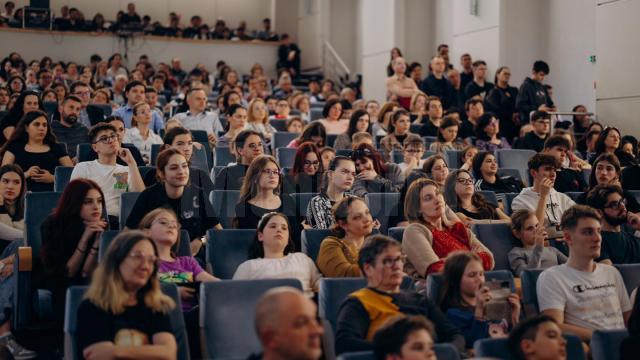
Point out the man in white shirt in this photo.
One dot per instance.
(113, 179)
(199, 119)
(548, 204)
(582, 295)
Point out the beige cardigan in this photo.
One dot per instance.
(416, 244)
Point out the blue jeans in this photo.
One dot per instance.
(7, 285)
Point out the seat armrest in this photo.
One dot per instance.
(22, 295)
(25, 258)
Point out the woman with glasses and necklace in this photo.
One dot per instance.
(124, 313)
(173, 191)
(364, 311)
(469, 205)
(307, 172)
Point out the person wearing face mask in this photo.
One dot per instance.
(307, 172)
(465, 296)
(173, 190)
(405, 337)
(398, 132)
(373, 174)
(338, 255)
(619, 243)
(68, 129)
(548, 204)
(366, 310)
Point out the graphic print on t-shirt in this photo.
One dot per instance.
(176, 277)
(130, 337)
(122, 181)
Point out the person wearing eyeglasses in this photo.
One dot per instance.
(140, 134)
(124, 313)
(113, 178)
(71, 240)
(412, 154)
(619, 243)
(469, 205)
(174, 191)
(534, 140)
(365, 311)
(307, 172)
(272, 255)
(260, 194)
(248, 145)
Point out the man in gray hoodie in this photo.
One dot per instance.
(548, 204)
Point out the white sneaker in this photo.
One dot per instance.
(16, 350)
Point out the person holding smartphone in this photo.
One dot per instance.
(113, 179)
(465, 297)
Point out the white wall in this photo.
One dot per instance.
(342, 29)
(378, 38)
(311, 32)
(232, 11)
(419, 42)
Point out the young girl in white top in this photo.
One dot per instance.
(271, 256)
(140, 134)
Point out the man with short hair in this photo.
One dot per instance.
(478, 86)
(542, 198)
(582, 295)
(536, 338)
(197, 118)
(287, 325)
(118, 89)
(45, 78)
(176, 70)
(434, 113)
(131, 17)
(68, 130)
(436, 84)
(619, 245)
(112, 178)
(134, 92)
(474, 108)
(567, 179)
(248, 146)
(534, 140)
(466, 75)
(533, 95)
(83, 92)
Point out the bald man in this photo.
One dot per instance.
(287, 326)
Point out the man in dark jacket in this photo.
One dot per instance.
(534, 140)
(533, 95)
(436, 84)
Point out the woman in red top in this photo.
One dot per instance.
(430, 236)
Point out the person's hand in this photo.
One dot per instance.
(125, 155)
(195, 246)
(483, 296)
(376, 224)
(99, 351)
(31, 171)
(545, 187)
(540, 236)
(7, 270)
(212, 140)
(514, 301)
(43, 176)
(367, 175)
(186, 293)
(544, 107)
(633, 220)
(197, 146)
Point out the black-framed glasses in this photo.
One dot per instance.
(463, 181)
(389, 262)
(106, 139)
(616, 204)
(270, 172)
(311, 163)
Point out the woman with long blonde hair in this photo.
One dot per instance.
(125, 314)
(258, 119)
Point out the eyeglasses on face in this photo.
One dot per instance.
(139, 257)
(616, 204)
(311, 163)
(270, 172)
(389, 262)
(106, 139)
(464, 181)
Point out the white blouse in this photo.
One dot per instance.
(293, 266)
(132, 136)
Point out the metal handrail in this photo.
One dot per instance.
(333, 66)
(337, 57)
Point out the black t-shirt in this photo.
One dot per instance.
(620, 247)
(193, 209)
(466, 129)
(231, 177)
(248, 215)
(472, 89)
(531, 141)
(136, 325)
(506, 184)
(428, 129)
(303, 183)
(631, 178)
(569, 180)
(197, 177)
(46, 161)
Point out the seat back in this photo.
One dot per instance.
(223, 338)
(281, 139)
(75, 295)
(302, 202)
(107, 237)
(630, 275)
(285, 156)
(311, 240)
(223, 156)
(127, 200)
(434, 282)
(508, 199)
(332, 293)
(605, 344)
(224, 205)
(489, 196)
(227, 249)
(61, 177)
(331, 139)
(199, 136)
(515, 159)
(499, 348)
(453, 158)
(316, 113)
(396, 233)
(37, 206)
(498, 238)
(145, 169)
(515, 173)
(84, 152)
(529, 280)
(279, 125)
(199, 158)
(155, 150)
(444, 351)
(383, 206)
